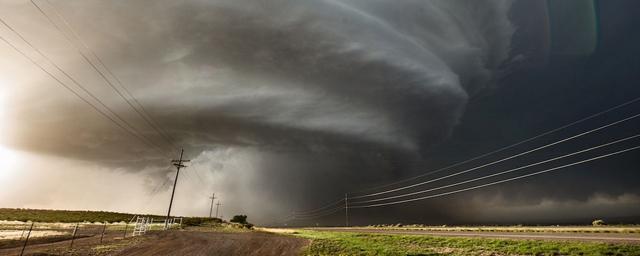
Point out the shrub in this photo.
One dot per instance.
(239, 219)
(597, 223)
(198, 221)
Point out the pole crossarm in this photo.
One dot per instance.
(178, 164)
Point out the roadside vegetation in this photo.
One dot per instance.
(241, 220)
(62, 216)
(346, 243)
(597, 227)
(36, 215)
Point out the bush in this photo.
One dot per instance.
(198, 221)
(598, 223)
(242, 219)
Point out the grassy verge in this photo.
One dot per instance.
(114, 246)
(529, 229)
(64, 216)
(11, 243)
(343, 243)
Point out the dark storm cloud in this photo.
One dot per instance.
(317, 97)
(256, 73)
(332, 91)
(283, 105)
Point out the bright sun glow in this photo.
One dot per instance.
(9, 159)
(6, 155)
(3, 88)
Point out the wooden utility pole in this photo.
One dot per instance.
(213, 197)
(346, 210)
(104, 227)
(217, 207)
(178, 164)
(73, 237)
(26, 240)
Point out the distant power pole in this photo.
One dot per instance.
(346, 210)
(213, 197)
(178, 164)
(217, 207)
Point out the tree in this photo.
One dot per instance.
(242, 219)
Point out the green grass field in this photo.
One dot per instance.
(530, 229)
(339, 243)
(35, 215)
(53, 216)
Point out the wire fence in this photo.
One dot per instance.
(18, 238)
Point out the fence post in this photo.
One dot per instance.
(26, 240)
(73, 237)
(24, 228)
(104, 227)
(126, 225)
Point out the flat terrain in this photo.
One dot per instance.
(369, 242)
(215, 243)
(60, 245)
(175, 242)
(230, 240)
(633, 238)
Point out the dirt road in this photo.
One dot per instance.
(62, 246)
(215, 243)
(584, 237)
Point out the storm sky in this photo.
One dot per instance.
(287, 105)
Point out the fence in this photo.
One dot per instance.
(25, 238)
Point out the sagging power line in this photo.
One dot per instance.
(354, 204)
(501, 181)
(346, 206)
(125, 126)
(582, 120)
(502, 159)
(137, 107)
(501, 173)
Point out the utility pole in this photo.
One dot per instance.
(26, 240)
(73, 237)
(213, 197)
(217, 206)
(346, 210)
(178, 164)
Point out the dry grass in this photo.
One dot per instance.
(531, 229)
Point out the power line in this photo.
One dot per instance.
(501, 160)
(200, 179)
(154, 193)
(317, 213)
(194, 181)
(504, 148)
(319, 208)
(500, 173)
(88, 60)
(500, 181)
(333, 211)
(132, 133)
(142, 111)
